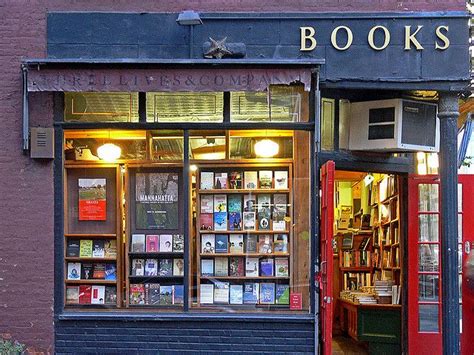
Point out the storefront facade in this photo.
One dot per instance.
(206, 230)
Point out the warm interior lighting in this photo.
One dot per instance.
(109, 152)
(193, 168)
(266, 148)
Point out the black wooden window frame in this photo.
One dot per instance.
(61, 126)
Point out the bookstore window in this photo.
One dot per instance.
(185, 106)
(100, 107)
(126, 230)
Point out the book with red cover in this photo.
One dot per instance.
(207, 221)
(152, 243)
(98, 271)
(236, 266)
(85, 294)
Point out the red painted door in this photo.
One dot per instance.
(466, 252)
(424, 264)
(326, 270)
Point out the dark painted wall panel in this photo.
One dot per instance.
(158, 36)
(203, 336)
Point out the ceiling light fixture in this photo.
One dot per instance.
(109, 152)
(266, 148)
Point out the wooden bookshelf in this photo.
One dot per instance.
(387, 233)
(257, 233)
(102, 233)
(142, 283)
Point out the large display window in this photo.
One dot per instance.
(189, 220)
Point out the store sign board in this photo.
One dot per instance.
(126, 80)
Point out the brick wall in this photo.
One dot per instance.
(26, 186)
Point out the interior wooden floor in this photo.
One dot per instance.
(344, 345)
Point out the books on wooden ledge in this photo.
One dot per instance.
(91, 295)
(163, 243)
(155, 294)
(249, 293)
(252, 180)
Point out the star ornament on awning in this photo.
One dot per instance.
(218, 49)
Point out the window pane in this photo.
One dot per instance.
(459, 197)
(167, 145)
(428, 198)
(101, 107)
(86, 145)
(185, 107)
(459, 228)
(281, 104)
(428, 227)
(327, 124)
(428, 318)
(251, 250)
(428, 258)
(207, 147)
(428, 287)
(252, 144)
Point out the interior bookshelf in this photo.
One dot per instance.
(355, 259)
(386, 229)
(92, 236)
(369, 249)
(154, 245)
(243, 236)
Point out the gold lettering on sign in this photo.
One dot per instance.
(371, 37)
(442, 37)
(307, 34)
(350, 38)
(410, 38)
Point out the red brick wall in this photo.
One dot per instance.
(26, 186)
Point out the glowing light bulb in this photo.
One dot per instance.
(109, 152)
(266, 148)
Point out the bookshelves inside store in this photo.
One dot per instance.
(254, 235)
(92, 237)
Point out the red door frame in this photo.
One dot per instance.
(467, 290)
(326, 267)
(431, 342)
(421, 342)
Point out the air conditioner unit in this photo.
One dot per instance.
(394, 125)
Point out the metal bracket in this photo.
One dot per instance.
(26, 117)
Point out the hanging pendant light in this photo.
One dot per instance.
(109, 152)
(266, 148)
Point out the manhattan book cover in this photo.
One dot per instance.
(157, 200)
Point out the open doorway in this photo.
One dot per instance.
(366, 272)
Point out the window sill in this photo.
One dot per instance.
(163, 317)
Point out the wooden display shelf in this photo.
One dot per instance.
(90, 236)
(245, 277)
(244, 232)
(242, 191)
(92, 281)
(357, 269)
(156, 277)
(71, 258)
(243, 254)
(156, 254)
(388, 199)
